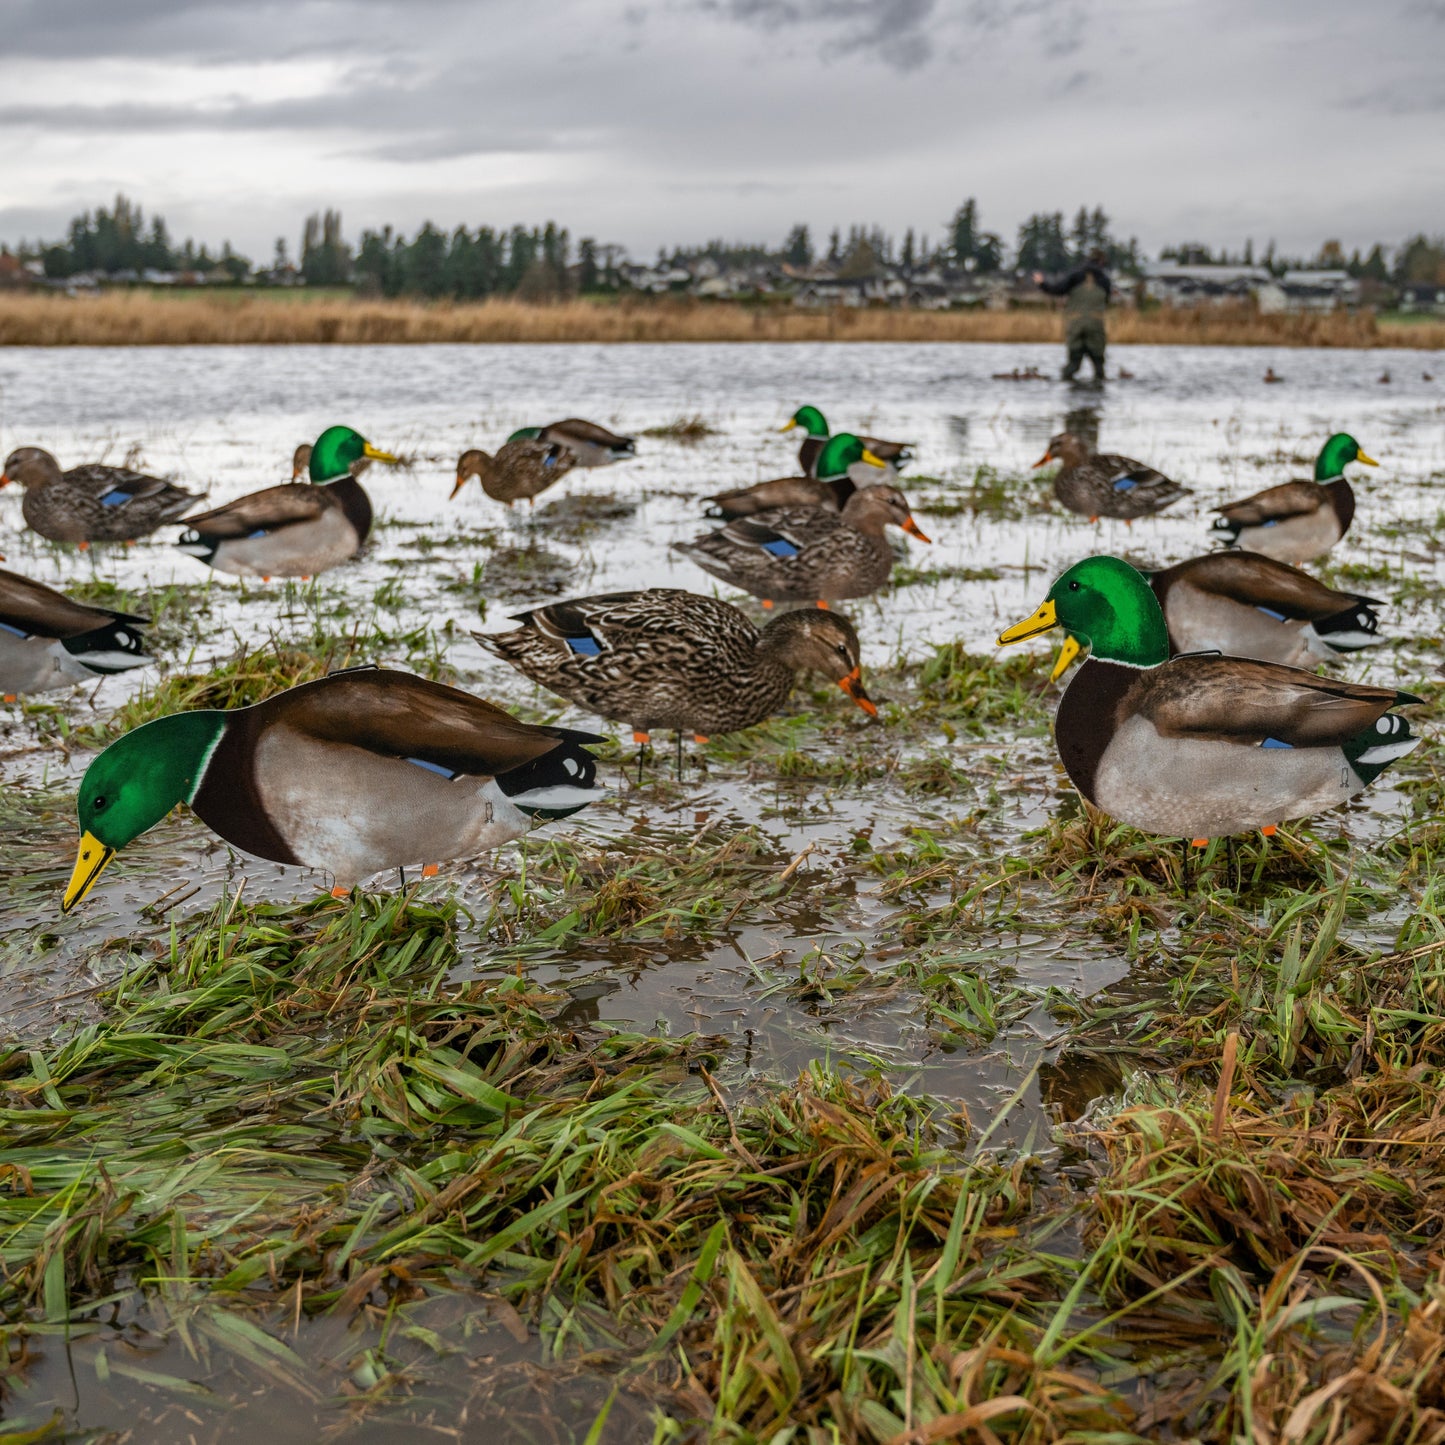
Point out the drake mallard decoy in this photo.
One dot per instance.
(301, 463)
(93, 502)
(297, 529)
(48, 640)
(591, 445)
(665, 658)
(892, 454)
(1297, 521)
(1202, 745)
(1100, 484)
(806, 554)
(830, 488)
(358, 772)
(521, 469)
(1244, 604)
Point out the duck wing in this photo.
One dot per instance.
(1204, 695)
(780, 492)
(119, 487)
(781, 532)
(894, 452)
(1275, 504)
(588, 431)
(1261, 581)
(398, 715)
(41, 611)
(1124, 474)
(265, 511)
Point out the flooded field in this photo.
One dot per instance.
(916, 907)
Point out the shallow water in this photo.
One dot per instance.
(226, 420)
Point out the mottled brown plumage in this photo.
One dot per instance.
(832, 496)
(808, 554)
(521, 470)
(92, 502)
(1101, 484)
(665, 658)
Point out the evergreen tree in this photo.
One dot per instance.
(587, 273)
(798, 248)
(963, 233)
(1041, 243)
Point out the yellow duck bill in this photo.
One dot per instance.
(1042, 620)
(90, 861)
(1067, 653)
(377, 455)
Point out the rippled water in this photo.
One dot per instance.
(227, 419)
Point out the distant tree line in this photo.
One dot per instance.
(537, 263)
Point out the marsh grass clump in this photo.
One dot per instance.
(688, 428)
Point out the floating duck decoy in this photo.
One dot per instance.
(355, 773)
(831, 488)
(668, 659)
(93, 502)
(1297, 521)
(521, 469)
(1101, 484)
(48, 640)
(297, 529)
(1028, 373)
(892, 454)
(1202, 746)
(806, 554)
(591, 445)
(1271, 376)
(1244, 604)
(1384, 378)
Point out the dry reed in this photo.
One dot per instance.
(145, 319)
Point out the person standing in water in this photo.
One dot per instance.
(1086, 290)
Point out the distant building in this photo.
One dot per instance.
(1174, 284)
(1423, 298)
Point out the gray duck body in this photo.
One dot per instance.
(1103, 484)
(93, 502)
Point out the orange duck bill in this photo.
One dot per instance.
(461, 482)
(914, 530)
(853, 686)
(1043, 461)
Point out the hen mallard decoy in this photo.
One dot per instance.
(1297, 521)
(521, 469)
(891, 454)
(591, 445)
(806, 554)
(830, 488)
(1100, 484)
(1202, 745)
(355, 773)
(665, 658)
(1244, 604)
(93, 502)
(297, 529)
(48, 640)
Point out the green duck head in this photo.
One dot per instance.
(841, 452)
(1106, 604)
(337, 449)
(1336, 454)
(133, 784)
(810, 418)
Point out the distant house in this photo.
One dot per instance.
(1425, 298)
(1317, 290)
(1184, 285)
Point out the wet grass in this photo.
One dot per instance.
(691, 427)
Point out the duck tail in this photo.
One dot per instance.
(1348, 631)
(193, 544)
(1223, 530)
(557, 784)
(116, 647)
(1386, 741)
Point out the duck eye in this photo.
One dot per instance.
(98, 804)
(843, 649)
(1073, 586)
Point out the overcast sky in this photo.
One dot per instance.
(663, 121)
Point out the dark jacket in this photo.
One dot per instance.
(1066, 284)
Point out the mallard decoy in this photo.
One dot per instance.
(831, 488)
(665, 658)
(1297, 521)
(1271, 376)
(591, 445)
(892, 454)
(520, 469)
(1101, 484)
(1244, 604)
(354, 773)
(297, 529)
(47, 640)
(1202, 745)
(93, 502)
(301, 463)
(798, 554)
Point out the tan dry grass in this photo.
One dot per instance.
(143, 319)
